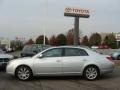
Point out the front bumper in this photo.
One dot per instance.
(10, 70)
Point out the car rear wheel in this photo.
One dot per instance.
(91, 73)
(23, 73)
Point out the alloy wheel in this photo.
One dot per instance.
(23, 73)
(91, 73)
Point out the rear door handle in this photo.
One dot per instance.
(84, 60)
(58, 60)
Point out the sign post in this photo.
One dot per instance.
(76, 31)
(77, 13)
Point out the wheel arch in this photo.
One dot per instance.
(89, 66)
(23, 65)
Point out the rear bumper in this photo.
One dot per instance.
(108, 70)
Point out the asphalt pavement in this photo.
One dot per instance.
(106, 82)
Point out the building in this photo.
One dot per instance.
(5, 43)
(117, 36)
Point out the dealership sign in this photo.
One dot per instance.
(76, 12)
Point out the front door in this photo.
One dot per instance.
(50, 63)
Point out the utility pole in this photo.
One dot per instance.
(44, 38)
(46, 3)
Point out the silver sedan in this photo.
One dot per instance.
(62, 60)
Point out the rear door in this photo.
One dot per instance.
(73, 60)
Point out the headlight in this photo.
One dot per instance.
(8, 62)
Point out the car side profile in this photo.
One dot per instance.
(60, 61)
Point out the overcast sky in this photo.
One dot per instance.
(29, 18)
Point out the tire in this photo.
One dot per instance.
(23, 73)
(91, 73)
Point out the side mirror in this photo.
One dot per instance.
(40, 56)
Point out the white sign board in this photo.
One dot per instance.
(76, 12)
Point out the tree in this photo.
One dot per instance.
(70, 38)
(109, 40)
(53, 41)
(61, 39)
(17, 45)
(85, 40)
(13, 44)
(30, 41)
(40, 40)
(95, 39)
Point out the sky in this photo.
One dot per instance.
(31, 18)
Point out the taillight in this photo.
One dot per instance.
(109, 58)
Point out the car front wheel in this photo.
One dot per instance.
(91, 73)
(23, 73)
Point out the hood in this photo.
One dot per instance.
(24, 58)
(21, 59)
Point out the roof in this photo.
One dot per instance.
(80, 46)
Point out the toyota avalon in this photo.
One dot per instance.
(60, 61)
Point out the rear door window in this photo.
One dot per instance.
(75, 52)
